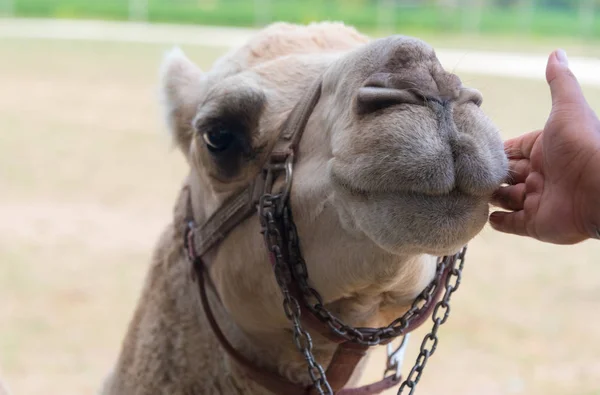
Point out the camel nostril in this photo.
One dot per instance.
(371, 98)
(470, 95)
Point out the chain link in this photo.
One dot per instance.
(439, 317)
(302, 339)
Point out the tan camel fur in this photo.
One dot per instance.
(396, 166)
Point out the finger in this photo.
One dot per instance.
(534, 184)
(564, 87)
(518, 170)
(513, 223)
(520, 147)
(510, 198)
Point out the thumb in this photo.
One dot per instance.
(509, 222)
(563, 84)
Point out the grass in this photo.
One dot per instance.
(360, 13)
(88, 180)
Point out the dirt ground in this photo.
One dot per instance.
(88, 178)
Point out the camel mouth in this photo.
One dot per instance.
(404, 221)
(349, 188)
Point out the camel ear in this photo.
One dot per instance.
(182, 89)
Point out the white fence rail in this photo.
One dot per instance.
(529, 66)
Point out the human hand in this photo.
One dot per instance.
(554, 183)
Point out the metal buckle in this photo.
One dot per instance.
(188, 242)
(395, 359)
(272, 169)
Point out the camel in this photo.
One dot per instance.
(396, 167)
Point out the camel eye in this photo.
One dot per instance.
(218, 139)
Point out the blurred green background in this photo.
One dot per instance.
(565, 18)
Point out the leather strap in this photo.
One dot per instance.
(243, 205)
(295, 124)
(271, 381)
(233, 212)
(344, 362)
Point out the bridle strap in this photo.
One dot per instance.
(243, 205)
(234, 211)
(343, 363)
(272, 381)
(295, 124)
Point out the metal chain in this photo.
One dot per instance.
(314, 301)
(302, 339)
(275, 216)
(439, 317)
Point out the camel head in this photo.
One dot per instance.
(396, 165)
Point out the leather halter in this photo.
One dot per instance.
(243, 205)
(200, 239)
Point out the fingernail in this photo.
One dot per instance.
(561, 55)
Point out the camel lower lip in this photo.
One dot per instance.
(358, 192)
(404, 221)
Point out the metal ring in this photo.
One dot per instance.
(289, 173)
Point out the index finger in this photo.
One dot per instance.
(520, 147)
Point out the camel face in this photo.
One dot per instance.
(414, 160)
(397, 157)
